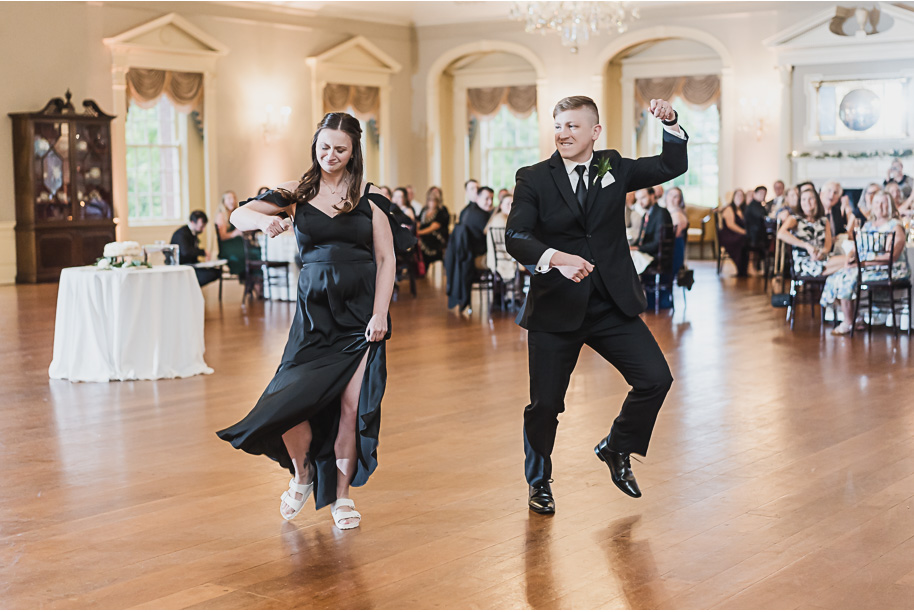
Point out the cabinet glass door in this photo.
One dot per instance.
(51, 150)
(91, 184)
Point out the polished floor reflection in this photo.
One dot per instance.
(781, 473)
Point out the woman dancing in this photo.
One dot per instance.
(320, 415)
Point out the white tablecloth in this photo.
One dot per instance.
(139, 324)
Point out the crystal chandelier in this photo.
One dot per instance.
(575, 21)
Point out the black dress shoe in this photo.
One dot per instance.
(620, 468)
(541, 500)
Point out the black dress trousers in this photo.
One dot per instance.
(623, 341)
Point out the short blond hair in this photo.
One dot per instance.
(576, 102)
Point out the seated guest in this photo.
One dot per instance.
(907, 209)
(866, 199)
(499, 218)
(384, 189)
(465, 255)
(896, 175)
(790, 205)
(655, 217)
(433, 227)
(675, 203)
(403, 211)
(470, 189)
(732, 232)
(775, 203)
(830, 196)
(633, 216)
(810, 236)
(188, 241)
(893, 189)
(754, 214)
(415, 204)
(476, 216)
(842, 285)
(230, 238)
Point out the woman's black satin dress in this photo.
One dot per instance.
(336, 291)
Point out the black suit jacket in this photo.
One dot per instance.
(649, 240)
(189, 246)
(475, 220)
(545, 214)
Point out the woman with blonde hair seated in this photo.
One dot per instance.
(842, 285)
(505, 266)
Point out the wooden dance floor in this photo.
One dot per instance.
(780, 475)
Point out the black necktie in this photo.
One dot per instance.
(581, 191)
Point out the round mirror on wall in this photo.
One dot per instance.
(860, 110)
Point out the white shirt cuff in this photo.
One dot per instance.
(542, 266)
(677, 132)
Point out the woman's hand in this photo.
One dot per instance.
(377, 327)
(273, 226)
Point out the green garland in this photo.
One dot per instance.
(850, 154)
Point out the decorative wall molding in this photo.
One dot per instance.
(813, 42)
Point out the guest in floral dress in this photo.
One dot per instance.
(842, 285)
(809, 232)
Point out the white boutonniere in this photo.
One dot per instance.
(603, 168)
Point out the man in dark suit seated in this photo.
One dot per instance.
(188, 240)
(466, 251)
(476, 216)
(655, 217)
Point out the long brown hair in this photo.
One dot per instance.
(310, 184)
(820, 209)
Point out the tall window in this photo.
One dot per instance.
(508, 143)
(154, 154)
(699, 184)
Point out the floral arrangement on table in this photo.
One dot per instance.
(116, 255)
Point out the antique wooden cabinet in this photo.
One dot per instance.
(64, 209)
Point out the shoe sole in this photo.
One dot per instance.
(541, 510)
(618, 486)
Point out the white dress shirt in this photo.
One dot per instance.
(544, 264)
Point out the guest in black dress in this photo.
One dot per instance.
(402, 211)
(433, 229)
(732, 232)
(320, 415)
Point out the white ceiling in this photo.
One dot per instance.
(401, 12)
(439, 12)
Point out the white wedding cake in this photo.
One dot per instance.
(123, 249)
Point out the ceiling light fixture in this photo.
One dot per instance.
(574, 21)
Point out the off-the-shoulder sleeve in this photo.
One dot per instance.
(404, 239)
(273, 197)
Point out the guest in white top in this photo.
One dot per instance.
(506, 266)
(416, 204)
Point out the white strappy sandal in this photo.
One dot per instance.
(341, 515)
(296, 504)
